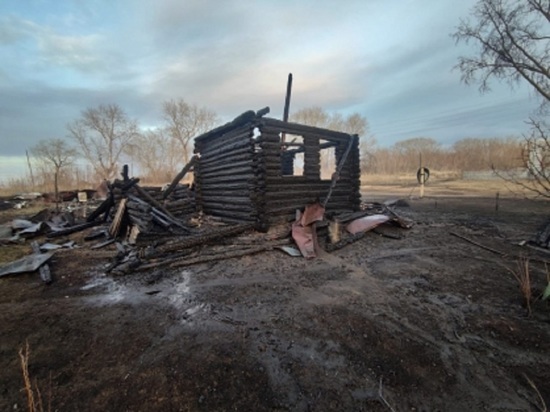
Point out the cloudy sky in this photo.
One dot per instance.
(391, 61)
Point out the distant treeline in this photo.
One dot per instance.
(466, 155)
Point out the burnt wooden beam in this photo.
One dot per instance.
(153, 202)
(240, 120)
(114, 229)
(228, 255)
(180, 176)
(236, 155)
(202, 239)
(275, 126)
(104, 207)
(72, 229)
(240, 216)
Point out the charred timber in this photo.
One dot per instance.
(104, 207)
(73, 229)
(239, 179)
(239, 121)
(156, 204)
(276, 126)
(227, 255)
(230, 163)
(221, 204)
(204, 238)
(179, 176)
(228, 141)
(233, 186)
(236, 156)
(240, 216)
(237, 147)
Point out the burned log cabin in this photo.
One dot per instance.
(260, 170)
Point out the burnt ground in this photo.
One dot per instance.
(428, 321)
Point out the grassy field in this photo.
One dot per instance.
(440, 184)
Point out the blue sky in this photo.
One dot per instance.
(390, 61)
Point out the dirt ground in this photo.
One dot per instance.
(425, 322)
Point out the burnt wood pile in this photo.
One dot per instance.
(246, 170)
(141, 212)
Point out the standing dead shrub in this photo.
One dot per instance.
(523, 277)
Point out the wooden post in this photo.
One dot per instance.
(124, 173)
(422, 178)
(287, 103)
(496, 202)
(287, 98)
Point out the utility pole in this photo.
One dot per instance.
(30, 169)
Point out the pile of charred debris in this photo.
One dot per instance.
(247, 196)
(154, 227)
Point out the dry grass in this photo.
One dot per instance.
(523, 276)
(11, 252)
(542, 406)
(34, 396)
(441, 184)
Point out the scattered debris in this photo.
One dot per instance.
(291, 251)
(26, 264)
(366, 223)
(44, 269)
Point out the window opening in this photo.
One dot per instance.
(292, 155)
(327, 158)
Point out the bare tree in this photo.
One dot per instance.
(185, 121)
(513, 37)
(54, 155)
(104, 134)
(156, 154)
(313, 116)
(354, 123)
(534, 174)
(475, 154)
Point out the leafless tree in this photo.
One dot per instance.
(513, 40)
(54, 155)
(476, 154)
(534, 175)
(156, 154)
(319, 117)
(354, 123)
(185, 121)
(104, 134)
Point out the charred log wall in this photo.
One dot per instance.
(284, 194)
(240, 176)
(226, 174)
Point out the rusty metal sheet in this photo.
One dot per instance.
(304, 231)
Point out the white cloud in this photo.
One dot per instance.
(76, 52)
